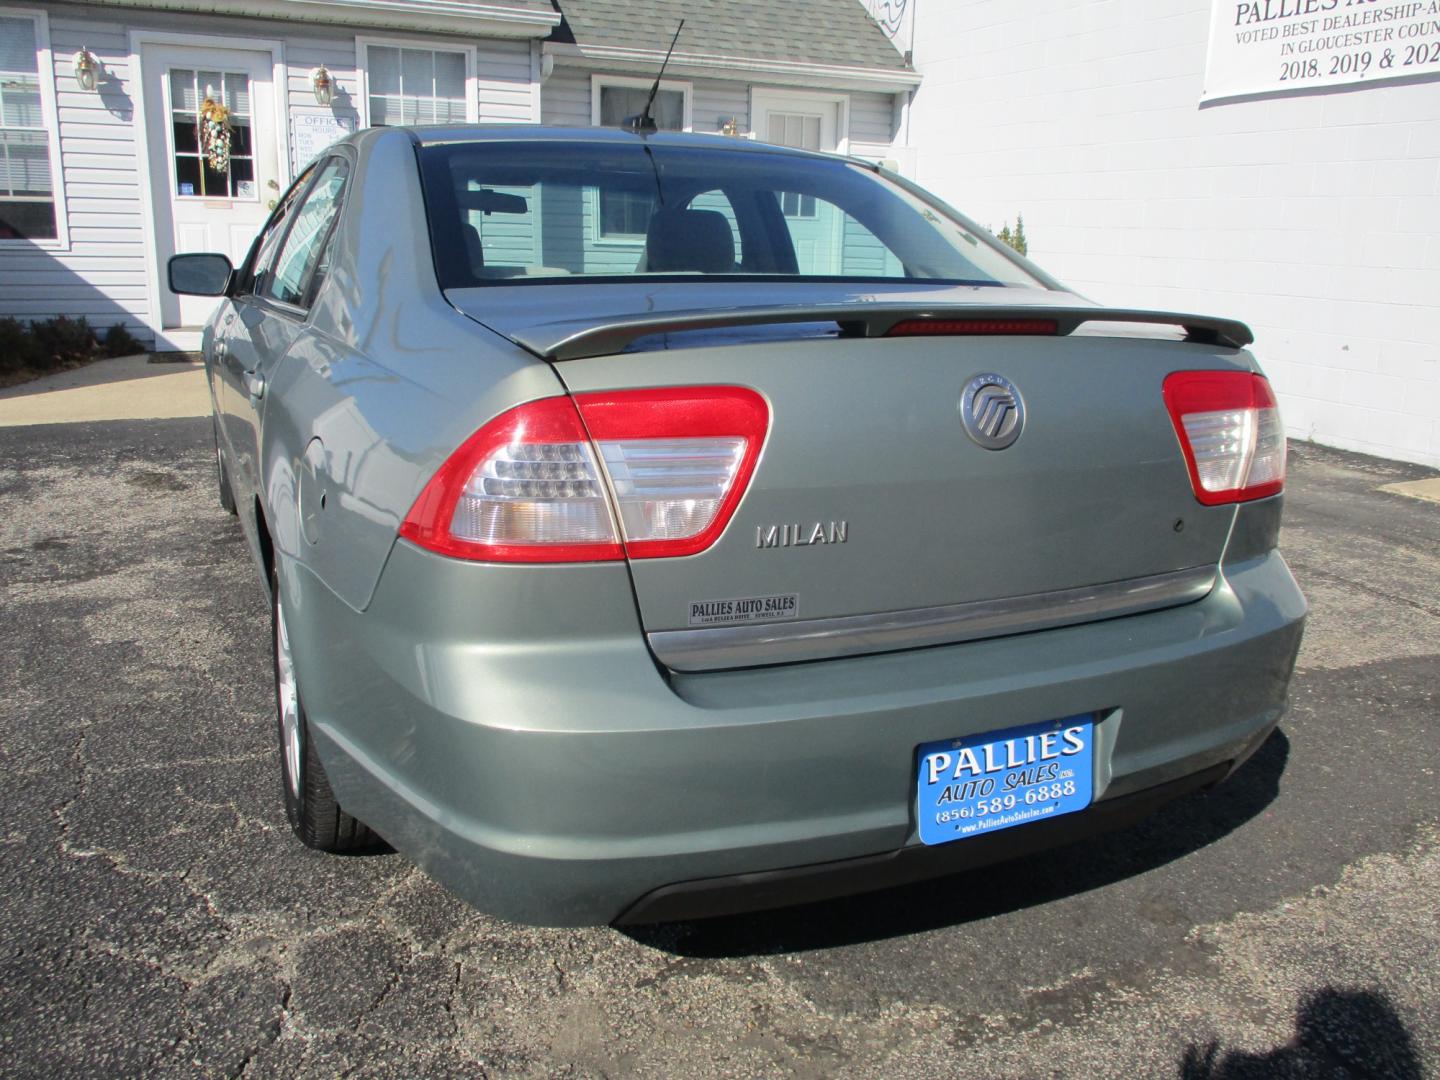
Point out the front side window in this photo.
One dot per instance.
(305, 244)
(27, 175)
(510, 211)
(415, 86)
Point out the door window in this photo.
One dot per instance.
(828, 242)
(197, 99)
(304, 245)
(802, 131)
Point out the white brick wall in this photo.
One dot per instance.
(1316, 219)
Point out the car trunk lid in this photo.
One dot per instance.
(874, 520)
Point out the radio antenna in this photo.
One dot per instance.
(644, 123)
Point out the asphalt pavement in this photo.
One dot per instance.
(160, 920)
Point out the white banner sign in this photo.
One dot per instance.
(895, 18)
(1261, 46)
(314, 132)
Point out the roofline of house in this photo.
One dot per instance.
(494, 19)
(787, 72)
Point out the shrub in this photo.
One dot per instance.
(17, 347)
(63, 340)
(120, 342)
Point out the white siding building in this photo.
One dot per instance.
(1309, 207)
(99, 186)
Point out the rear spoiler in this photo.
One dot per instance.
(577, 339)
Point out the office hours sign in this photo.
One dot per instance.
(1263, 46)
(313, 133)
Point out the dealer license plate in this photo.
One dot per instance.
(983, 783)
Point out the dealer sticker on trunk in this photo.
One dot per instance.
(745, 609)
(979, 784)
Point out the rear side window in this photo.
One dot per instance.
(537, 211)
(267, 244)
(293, 278)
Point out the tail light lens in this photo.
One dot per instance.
(526, 487)
(678, 460)
(643, 473)
(1229, 428)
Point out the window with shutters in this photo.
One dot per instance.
(416, 85)
(621, 217)
(31, 200)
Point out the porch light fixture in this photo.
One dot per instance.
(87, 70)
(323, 85)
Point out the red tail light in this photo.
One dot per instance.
(678, 460)
(524, 488)
(648, 473)
(1229, 428)
(978, 327)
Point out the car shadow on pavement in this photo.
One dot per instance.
(1174, 831)
(1337, 1033)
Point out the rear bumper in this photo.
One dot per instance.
(904, 866)
(571, 781)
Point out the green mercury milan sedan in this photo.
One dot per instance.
(662, 525)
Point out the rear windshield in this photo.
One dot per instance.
(542, 211)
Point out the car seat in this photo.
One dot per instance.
(685, 240)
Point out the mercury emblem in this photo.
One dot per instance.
(992, 411)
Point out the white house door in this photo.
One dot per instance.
(199, 206)
(806, 122)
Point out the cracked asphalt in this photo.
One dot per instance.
(159, 919)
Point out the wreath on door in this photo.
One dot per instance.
(215, 134)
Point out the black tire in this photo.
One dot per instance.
(310, 805)
(222, 477)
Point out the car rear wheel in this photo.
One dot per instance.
(310, 805)
(222, 478)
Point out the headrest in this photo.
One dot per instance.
(689, 240)
(473, 247)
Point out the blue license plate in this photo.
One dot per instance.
(982, 783)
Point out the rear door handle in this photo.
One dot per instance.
(255, 384)
(220, 350)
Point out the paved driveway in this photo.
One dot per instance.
(158, 918)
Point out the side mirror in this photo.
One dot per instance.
(200, 275)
